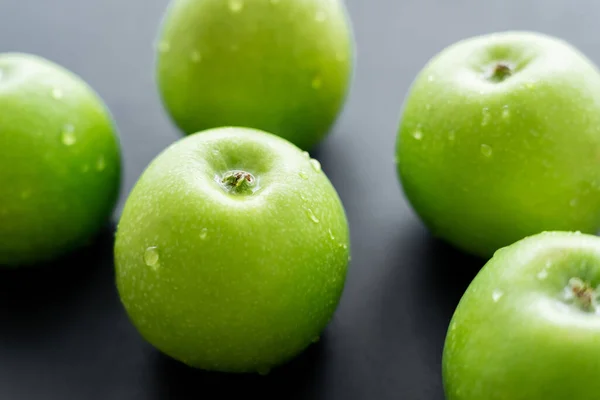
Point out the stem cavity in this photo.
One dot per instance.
(238, 182)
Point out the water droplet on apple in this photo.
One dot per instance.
(418, 135)
(316, 83)
(312, 216)
(530, 85)
(486, 150)
(543, 274)
(195, 56)
(203, 234)
(486, 116)
(574, 202)
(497, 295)
(164, 47)
(331, 235)
(57, 93)
(315, 164)
(100, 164)
(320, 16)
(548, 264)
(343, 246)
(306, 155)
(453, 326)
(264, 371)
(577, 233)
(505, 112)
(303, 175)
(151, 257)
(431, 78)
(67, 137)
(451, 136)
(235, 6)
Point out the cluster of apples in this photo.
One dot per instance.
(232, 250)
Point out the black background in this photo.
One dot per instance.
(63, 333)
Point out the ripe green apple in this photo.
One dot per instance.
(59, 160)
(282, 66)
(528, 326)
(232, 251)
(500, 139)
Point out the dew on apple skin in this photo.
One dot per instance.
(316, 83)
(486, 150)
(505, 112)
(320, 16)
(164, 47)
(306, 155)
(303, 175)
(331, 235)
(151, 257)
(543, 274)
(100, 164)
(235, 6)
(203, 234)
(574, 202)
(196, 57)
(530, 85)
(67, 136)
(451, 136)
(343, 246)
(485, 116)
(315, 164)
(430, 78)
(57, 94)
(312, 216)
(418, 134)
(497, 295)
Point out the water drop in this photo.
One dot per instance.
(530, 85)
(574, 202)
(497, 295)
(343, 246)
(431, 78)
(486, 150)
(453, 326)
(203, 234)
(57, 93)
(306, 155)
(264, 371)
(486, 116)
(320, 16)
(317, 83)
(196, 57)
(543, 274)
(548, 264)
(67, 136)
(315, 164)
(312, 216)
(235, 6)
(303, 175)
(505, 112)
(451, 135)
(417, 134)
(164, 47)
(100, 164)
(151, 257)
(331, 235)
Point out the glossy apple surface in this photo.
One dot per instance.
(500, 139)
(282, 66)
(59, 161)
(528, 327)
(232, 251)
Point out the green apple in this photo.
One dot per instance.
(500, 139)
(528, 326)
(232, 251)
(59, 160)
(282, 66)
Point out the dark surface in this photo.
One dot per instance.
(63, 333)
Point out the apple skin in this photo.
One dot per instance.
(486, 163)
(232, 282)
(59, 161)
(515, 337)
(283, 66)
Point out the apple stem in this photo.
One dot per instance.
(500, 72)
(583, 293)
(238, 182)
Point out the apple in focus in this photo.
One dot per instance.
(528, 326)
(500, 139)
(232, 251)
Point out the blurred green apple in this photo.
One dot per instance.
(528, 326)
(500, 139)
(282, 66)
(232, 250)
(59, 160)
